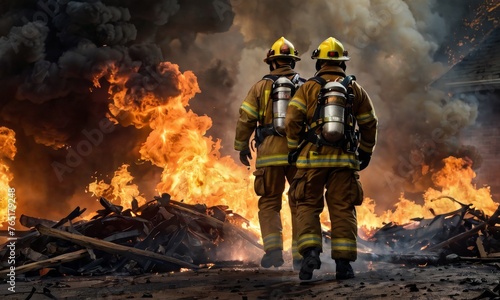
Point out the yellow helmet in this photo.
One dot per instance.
(282, 48)
(330, 49)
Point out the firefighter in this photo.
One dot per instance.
(262, 112)
(328, 170)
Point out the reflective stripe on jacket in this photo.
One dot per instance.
(257, 109)
(301, 109)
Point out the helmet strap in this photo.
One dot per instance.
(272, 65)
(319, 64)
(343, 65)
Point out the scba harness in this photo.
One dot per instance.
(333, 121)
(282, 92)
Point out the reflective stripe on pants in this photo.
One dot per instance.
(270, 185)
(341, 192)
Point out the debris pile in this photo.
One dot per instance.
(165, 235)
(162, 235)
(466, 234)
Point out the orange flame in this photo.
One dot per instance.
(194, 171)
(120, 189)
(7, 151)
(454, 181)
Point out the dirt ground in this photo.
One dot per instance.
(374, 280)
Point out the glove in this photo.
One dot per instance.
(245, 155)
(293, 156)
(364, 159)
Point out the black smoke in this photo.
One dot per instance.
(56, 59)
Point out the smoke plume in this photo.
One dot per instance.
(397, 49)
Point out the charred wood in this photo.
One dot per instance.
(224, 226)
(94, 243)
(494, 219)
(54, 261)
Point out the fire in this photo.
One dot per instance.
(192, 167)
(7, 151)
(194, 171)
(454, 181)
(119, 189)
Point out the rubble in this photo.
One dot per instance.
(165, 235)
(165, 244)
(462, 235)
(161, 236)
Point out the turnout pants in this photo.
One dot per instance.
(342, 191)
(269, 184)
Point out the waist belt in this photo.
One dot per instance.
(261, 132)
(318, 140)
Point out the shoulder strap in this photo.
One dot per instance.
(347, 80)
(273, 78)
(318, 79)
(321, 81)
(351, 134)
(297, 80)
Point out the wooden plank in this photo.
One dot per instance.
(491, 222)
(110, 247)
(225, 226)
(480, 246)
(54, 261)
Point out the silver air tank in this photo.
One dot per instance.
(332, 113)
(282, 92)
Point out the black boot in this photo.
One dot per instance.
(272, 258)
(344, 269)
(310, 262)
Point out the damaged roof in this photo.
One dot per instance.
(477, 71)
